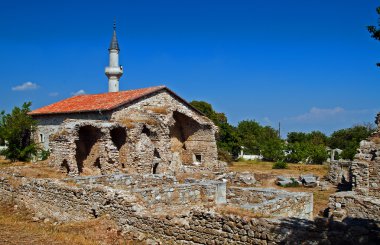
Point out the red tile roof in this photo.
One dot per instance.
(96, 102)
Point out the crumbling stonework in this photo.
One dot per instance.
(340, 172)
(178, 223)
(155, 134)
(272, 202)
(364, 201)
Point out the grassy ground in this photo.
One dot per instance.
(267, 176)
(17, 227)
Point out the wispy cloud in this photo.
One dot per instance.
(319, 114)
(267, 120)
(79, 92)
(53, 94)
(25, 86)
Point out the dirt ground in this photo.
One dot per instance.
(18, 227)
(267, 176)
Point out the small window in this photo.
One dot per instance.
(42, 138)
(198, 157)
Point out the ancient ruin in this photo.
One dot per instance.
(362, 175)
(148, 130)
(147, 159)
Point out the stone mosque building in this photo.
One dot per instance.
(148, 130)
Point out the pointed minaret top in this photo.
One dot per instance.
(114, 44)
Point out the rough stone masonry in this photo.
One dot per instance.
(138, 131)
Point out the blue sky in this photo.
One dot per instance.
(307, 64)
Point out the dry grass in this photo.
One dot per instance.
(266, 167)
(130, 123)
(267, 176)
(158, 109)
(34, 170)
(228, 210)
(16, 227)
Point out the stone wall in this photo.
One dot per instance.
(155, 134)
(272, 202)
(178, 224)
(339, 172)
(351, 205)
(366, 168)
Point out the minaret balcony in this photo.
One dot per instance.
(114, 71)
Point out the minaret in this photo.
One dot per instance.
(114, 71)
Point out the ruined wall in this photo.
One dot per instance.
(157, 134)
(272, 202)
(339, 172)
(184, 225)
(349, 204)
(366, 168)
(91, 151)
(175, 131)
(48, 125)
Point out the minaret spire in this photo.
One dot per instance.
(114, 71)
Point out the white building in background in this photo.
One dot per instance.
(248, 157)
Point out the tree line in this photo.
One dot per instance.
(266, 141)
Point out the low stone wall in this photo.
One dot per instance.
(126, 180)
(180, 224)
(272, 202)
(350, 204)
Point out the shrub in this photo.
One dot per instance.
(293, 184)
(224, 156)
(280, 165)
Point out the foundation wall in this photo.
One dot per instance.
(195, 226)
(271, 202)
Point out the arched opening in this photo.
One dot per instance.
(118, 136)
(156, 161)
(88, 136)
(97, 163)
(65, 166)
(155, 167)
(146, 131)
(183, 128)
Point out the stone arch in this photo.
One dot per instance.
(180, 132)
(88, 136)
(65, 166)
(118, 136)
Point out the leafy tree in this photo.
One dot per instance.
(16, 129)
(349, 139)
(307, 147)
(227, 140)
(249, 136)
(375, 31)
(294, 137)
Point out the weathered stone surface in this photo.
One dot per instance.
(157, 134)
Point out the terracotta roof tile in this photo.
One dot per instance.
(95, 102)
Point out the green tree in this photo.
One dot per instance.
(349, 139)
(307, 147)
(227, 139)
(16, 129)
(375, 31)
(249, 132)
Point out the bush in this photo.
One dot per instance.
(293, 184)
(43, 155)
(280, 165)
(224, 156)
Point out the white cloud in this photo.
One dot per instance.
(79, 92)
(267, 120)
(319, 114)
(25, 86)
(53, 94)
